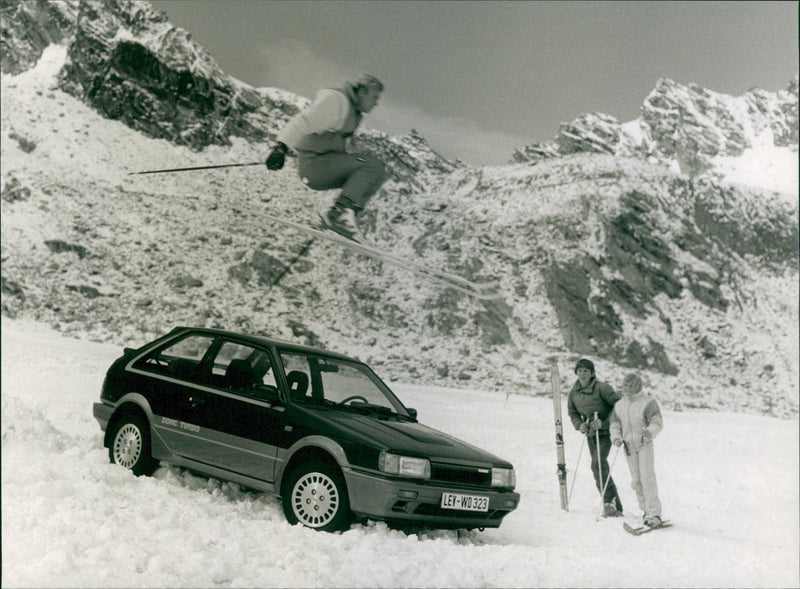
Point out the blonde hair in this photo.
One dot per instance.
(634, 381)
(368, 81)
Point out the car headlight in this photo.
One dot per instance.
(404, 466)
(503, 477)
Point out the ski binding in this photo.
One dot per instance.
(645, 529)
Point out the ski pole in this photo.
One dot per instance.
(577, 464)
(597, 448)
(608, 478)
(196, 168)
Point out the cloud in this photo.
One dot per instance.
(453, 137)
(293, 65)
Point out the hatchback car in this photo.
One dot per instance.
(319, 429)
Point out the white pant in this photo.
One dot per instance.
(643, 479)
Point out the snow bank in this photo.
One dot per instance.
(71, 519)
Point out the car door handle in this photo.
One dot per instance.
(196, 401)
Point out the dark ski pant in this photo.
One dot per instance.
(611, 495)
(359, 175)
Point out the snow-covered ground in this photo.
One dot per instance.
(70, 519)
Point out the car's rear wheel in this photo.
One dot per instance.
(130, 445)
(316, 496)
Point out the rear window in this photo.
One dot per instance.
(179, 359)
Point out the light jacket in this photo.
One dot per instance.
(583, 402)
(326, 124)
(632, 416)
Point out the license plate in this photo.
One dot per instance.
(465, 502)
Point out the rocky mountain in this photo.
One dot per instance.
(689, 128)
(616, 241)
(30, 27)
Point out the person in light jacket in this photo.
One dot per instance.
(635, 422)
(587, 398)
(319, 134)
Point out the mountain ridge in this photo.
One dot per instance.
(689, 128)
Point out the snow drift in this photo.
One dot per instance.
(72, 519)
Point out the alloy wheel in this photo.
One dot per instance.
(315, 499)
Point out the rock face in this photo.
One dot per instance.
(596, 296)
(131, 64)
(28, 27)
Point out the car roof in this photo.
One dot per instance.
(268, 341)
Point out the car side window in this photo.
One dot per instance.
(298, 377)
(244, 370)
(179, 359)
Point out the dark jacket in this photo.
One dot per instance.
(582, 402)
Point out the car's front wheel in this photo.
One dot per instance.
(316, 496)
(130, 445)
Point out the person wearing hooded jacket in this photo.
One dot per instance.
(635, 422)
(319, 134)
(587, 397)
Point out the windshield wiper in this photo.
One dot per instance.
(379, 411)
(318, 402)
(383, 412)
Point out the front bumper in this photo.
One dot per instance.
(392, 499)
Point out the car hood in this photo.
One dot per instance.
(407, 437)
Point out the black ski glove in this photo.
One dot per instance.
(277, 157)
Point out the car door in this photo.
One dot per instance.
(167, 378)
(238, 411)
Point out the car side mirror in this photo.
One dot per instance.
(412, 412)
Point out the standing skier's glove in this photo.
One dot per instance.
(617, 442)
(595, 425)
(277, 157)
(584, 428)
(647, 437)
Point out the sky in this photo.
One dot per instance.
(480, 79)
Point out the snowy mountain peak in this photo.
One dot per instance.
(696, 132)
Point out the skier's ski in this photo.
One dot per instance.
(489, 289)
(555, 384)
(645, 529)
(483, 291)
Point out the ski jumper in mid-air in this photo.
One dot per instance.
(319, 134)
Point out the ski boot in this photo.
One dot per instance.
(610, 510)
(652, 521)
(342, 220)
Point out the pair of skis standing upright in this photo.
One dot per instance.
(555, 382)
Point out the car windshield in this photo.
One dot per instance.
(338, 383)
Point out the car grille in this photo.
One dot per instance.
(464, 475)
